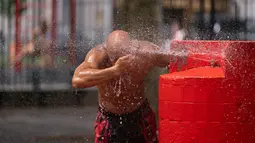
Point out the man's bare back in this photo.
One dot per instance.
(121, 86)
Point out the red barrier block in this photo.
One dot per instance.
(200, 54)
(194, 85)
(240, 65)
(205, 132)
(198, 132)
(236, 58)
(199, 112)
(209, 104)
(194, 61)
(201, 109)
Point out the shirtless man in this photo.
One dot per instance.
(118, 68)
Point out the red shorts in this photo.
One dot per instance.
(135, 127)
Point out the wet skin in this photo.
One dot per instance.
(119, 79)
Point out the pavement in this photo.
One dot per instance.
(51, 123)
(47, 125)
(62, 124)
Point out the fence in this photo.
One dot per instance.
(87, 22)
(84, 21)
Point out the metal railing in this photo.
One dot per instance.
(88, 22)
(92, 20)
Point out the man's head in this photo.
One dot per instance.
(117, 43)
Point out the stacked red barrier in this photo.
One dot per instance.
(209, 104)
(200, 53)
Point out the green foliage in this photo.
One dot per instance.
(7, 7)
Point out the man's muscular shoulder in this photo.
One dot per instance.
(98, 56)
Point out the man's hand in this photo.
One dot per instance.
(178, 57)
(123, 64)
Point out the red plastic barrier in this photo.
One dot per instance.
(200, 54)
(236, 58)
(208, 104)
(195, 60)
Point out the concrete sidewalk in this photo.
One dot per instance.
(48, 125)
(63, 124)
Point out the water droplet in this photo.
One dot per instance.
(81, 117)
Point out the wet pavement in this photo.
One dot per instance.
(48, 125)
(52, 124)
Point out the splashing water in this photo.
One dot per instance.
(118, 87)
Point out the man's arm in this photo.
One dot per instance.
(154, 54)
(90, 74)
(91, 77)
(160, 57)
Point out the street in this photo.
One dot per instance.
(47, 125)
(62, 124)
